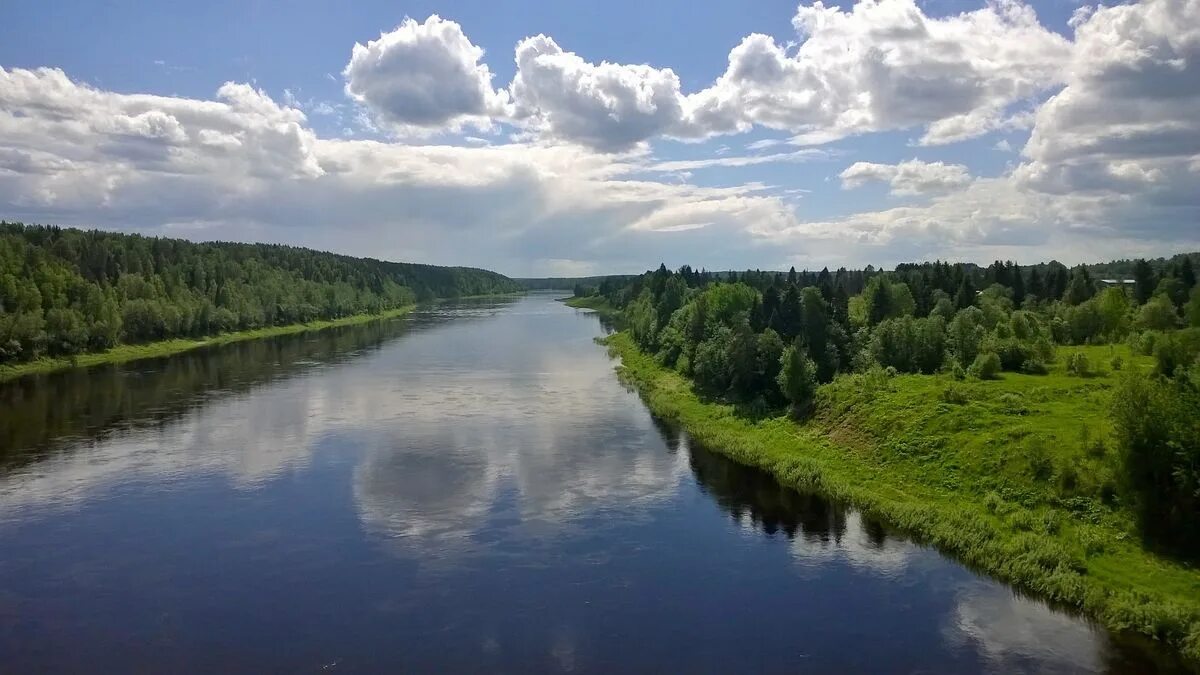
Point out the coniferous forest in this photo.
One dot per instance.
(66, 291)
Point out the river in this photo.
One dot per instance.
(465, 489)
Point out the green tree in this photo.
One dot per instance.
(797, 378)
(1113, 305)
(1192, 310)
(1157, 314)
(965, 297)
(1157, 425)
(1081, 288)
(1144, 281)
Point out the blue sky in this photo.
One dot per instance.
(913, 143)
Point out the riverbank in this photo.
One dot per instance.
(1008, 476)
(150, 350)
(597, 303)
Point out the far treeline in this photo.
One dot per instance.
(766, 339)
(67, 291)
(567, 283)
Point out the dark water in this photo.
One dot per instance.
(469, 489)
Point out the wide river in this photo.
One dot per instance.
(465, 489)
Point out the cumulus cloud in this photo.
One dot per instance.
(245, 167)
(1125, 127)
(607, 106)
(1111, 166)
(424, 76)
(885, 64)
(912, 177)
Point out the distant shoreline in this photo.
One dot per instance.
(125, 353)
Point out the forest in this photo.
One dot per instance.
(765, 339)
(66, 291)
(1041, 423)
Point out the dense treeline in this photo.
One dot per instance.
(66, 291)
(587, 284)
(765, 338)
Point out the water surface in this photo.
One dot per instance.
(465, 489)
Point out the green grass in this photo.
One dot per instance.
(597, 303)
(123, 353)
(1014, 477)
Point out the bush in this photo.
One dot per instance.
(955, 393)
(958, 372)
(1157, 429)
(986, 366)
(1044, 350)
(1012, 352)
(1034, 367)
(1175, 350)
(1077, 364)
(1117, 363)
(1068, 480)
(1143, 343)
(1157, 314)
(1040, 465)
(1013, 404)
(1050, 522)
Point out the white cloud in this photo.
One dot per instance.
(804, 155)
(912, 177)
(424, 76)
(606, 106)
(1112, 165)
(886, 65)
(244, 167)
(1125, 127)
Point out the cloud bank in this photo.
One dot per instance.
(1111, 166)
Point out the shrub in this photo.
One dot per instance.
(1179, 349)
(1044, 350)
(1117, 363)
(1050, 522)
(1040, 466)
(1143, 343)
(1068, 479)
(1034, 367)
(1013, 404)
(1077, 364)
(958, 372)
(1157, 429)
(955, 393)
(986, 366)
(1157, 314)
(1092, 446)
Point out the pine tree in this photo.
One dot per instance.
(1144, 281)
(965, 297)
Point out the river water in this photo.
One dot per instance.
(465, 489)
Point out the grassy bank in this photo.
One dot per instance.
(598, 303)
(123, 353)
(1010, 476)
